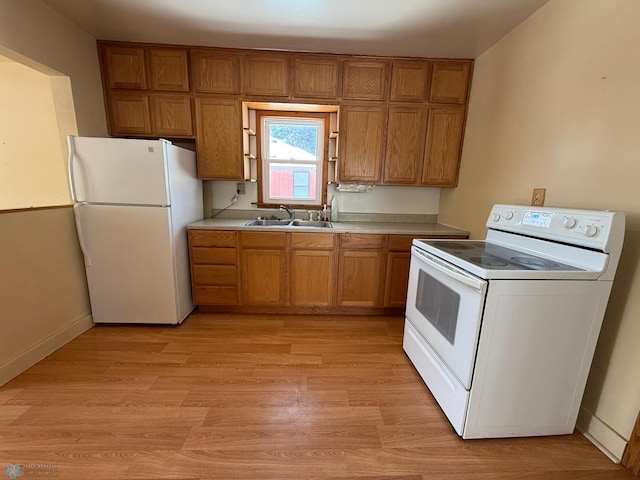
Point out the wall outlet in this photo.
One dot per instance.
(240, 188)
(537, 199)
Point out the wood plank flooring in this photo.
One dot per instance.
(256, 397)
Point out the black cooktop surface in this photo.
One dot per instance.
(496, 257)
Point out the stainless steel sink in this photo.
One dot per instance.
(288, 223)
(311, 223)
(268, 223)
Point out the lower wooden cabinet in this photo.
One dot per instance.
(361, 269)
(313, 277)
(214, 270)
(263, 268)
(360, 278)
(302, 272)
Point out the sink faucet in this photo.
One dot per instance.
(288, 209)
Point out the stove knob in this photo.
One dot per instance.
(591, 231)
(508, 215)
(569, 222)
(496, 217)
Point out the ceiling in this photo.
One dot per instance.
(421, 28)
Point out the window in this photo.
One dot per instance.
(291, 161)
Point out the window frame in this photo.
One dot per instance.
(261, 164)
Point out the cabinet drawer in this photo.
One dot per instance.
(263, 239)
(212, 238)
(216, 296)
(214, 274)
(312, 240)
(401, 243)
(359, 240)
(215, 256)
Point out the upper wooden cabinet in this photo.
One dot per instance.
(443, 144)
(405, 145)
(365, 79)
(171, 115)
(315, 76)
(409, 80)
(168, 69)
(266, 74)
(129, 114)
(450, 82)
(124, 67)
(214, 71)
(219, 139)
(362, 134)
(401, 119)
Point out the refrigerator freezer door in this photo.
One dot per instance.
(118, 171)
(132, 269)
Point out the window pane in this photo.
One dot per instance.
(288, 180)
(289, 141)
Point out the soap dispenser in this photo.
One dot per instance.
(334, 209)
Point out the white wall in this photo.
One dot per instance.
(386, 199)
(556, 104)
(32, 31)
(44, 300)
(32, 160)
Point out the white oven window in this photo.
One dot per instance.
(438, 304)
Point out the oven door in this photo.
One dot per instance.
(445, 305)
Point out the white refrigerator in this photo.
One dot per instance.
(132, 202)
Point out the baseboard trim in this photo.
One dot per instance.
(29, 358)
(601, 435)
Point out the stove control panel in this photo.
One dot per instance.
(588, 228)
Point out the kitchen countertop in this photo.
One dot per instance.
(405, 228)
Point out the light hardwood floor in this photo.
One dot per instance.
(256, 397)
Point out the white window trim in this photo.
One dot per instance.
(318, 162)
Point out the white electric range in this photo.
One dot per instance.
(503, 330)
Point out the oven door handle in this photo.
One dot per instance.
(473, 282)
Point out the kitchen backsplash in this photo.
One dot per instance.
(383, 200)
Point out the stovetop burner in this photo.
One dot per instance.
(491, 256)
(487, 261)
(535, 262)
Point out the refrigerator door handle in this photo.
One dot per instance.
(72, 154)
(81, 241)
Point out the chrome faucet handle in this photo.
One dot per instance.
(288, 209)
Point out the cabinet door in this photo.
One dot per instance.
(129, 114)
(409, 81)
(215, 72)
(443, 145)
(168, 69)
(395, 294)
(360, 278)
(365, 79)
(172, 115)
(315, 76)
(125, 67)
(266, 74)
(219, 139)
(405, 145)
(450, 82)
(361, 143)
(312, 277)
(263, 276)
